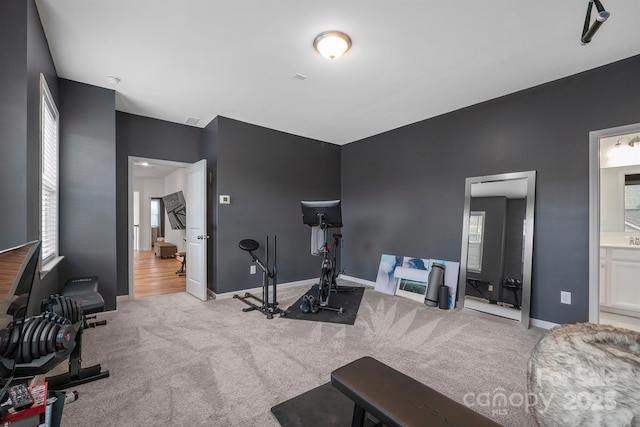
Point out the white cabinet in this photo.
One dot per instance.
(620, 278)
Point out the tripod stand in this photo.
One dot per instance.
(268, 308)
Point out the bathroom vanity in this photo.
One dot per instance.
(620, 278)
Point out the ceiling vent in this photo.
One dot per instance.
(300, 76)
(192, 121)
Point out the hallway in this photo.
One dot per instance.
(156, 276)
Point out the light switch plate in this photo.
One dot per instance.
(565, 297)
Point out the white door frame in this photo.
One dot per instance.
(131, 160)
(594, 213)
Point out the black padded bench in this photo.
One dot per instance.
(398, 400)
(84, 290)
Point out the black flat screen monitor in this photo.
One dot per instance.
(327, 211)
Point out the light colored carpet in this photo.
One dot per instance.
(175, 360)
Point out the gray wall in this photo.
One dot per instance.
(495, 224)
(155, 139)
(25, 54)
(267, 173)
(516, 214)
(209, 152)
(413, 204)
(13, 122)
(88, 185)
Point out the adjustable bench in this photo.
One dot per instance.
(84, 291)
(398, 400)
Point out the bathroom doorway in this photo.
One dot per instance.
(615, 227)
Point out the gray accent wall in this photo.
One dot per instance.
(495, 224)
(267, 173)
(88, 185)
(13, 122)
(209, 151)
(25, 54)
(151, 138)
(403, 190)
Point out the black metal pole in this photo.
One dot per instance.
(265, 277)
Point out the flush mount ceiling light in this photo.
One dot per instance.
(332, 44)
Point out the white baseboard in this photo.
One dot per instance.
(543, 324)
(121, 298)
(225, 295)
(534, 322)
(357, 280)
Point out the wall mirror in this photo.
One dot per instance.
(497, 245)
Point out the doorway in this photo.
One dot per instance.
(614, 235)
(157, 248)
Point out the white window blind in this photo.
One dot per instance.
(476, 237)
(48, 173)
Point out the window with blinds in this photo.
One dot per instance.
(48, 173)
(476, 237)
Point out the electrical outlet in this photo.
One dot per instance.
(565, 297)
(252, 269)
(490, 288)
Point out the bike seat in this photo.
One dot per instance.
(249, 245)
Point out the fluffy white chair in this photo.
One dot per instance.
(586, 374)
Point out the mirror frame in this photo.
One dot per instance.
(528, 238)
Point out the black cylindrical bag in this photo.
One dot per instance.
(443, 297)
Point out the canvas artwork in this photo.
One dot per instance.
(408, 277)
(412, 278)
(386, 280)
(176, 210)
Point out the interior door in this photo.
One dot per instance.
(197, 229)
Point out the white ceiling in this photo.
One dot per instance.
(410, 59)
(153, 168)
(511, 189)
(152, 171)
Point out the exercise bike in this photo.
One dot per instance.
(266, 307)
(322, 217)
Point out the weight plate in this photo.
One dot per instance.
(51, 338)
(42, 346)
(35, 339)
(13, 344)
(25, 347)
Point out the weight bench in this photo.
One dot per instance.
(85, 292)
(398, 400)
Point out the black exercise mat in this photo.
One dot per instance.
(349, 301)
(322, 406)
